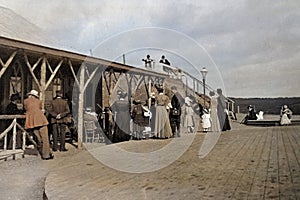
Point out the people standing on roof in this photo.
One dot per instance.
(37, 123)
(165, 61)
(148, 62)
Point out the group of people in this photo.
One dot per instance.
(164, 115)
(37, 123)
(149, 61)
(285, 115)
(216, 117)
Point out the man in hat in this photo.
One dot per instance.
(37, 122)
(177, 102)
(12, 109)
(59, 111)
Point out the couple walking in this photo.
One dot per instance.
(218, 112)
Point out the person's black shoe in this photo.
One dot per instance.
(49, 158)
(64, 149)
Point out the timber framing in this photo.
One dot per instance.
(42, 65)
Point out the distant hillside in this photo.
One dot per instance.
(268, 105)
(15, 26)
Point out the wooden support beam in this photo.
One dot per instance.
(7, 63)
(106, 83)
(49, 66)
(90, 78)
(53, 74)
(43, 80)
(36, 63)
(32, 68)
(80, 107)
(73, 72)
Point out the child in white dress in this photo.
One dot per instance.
(206, 120)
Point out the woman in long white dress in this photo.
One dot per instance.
(286, 115)
(189, 118)
(215, 125)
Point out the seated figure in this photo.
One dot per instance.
(250, 116)
(260, 115)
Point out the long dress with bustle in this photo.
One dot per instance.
(215, 124)
(122, 121)
(162, 123)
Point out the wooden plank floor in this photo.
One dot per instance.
(246, 163)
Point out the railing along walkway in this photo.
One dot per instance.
(5, 152)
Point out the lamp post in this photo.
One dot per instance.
(204, 72)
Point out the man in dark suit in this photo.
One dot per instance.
(175, 111)
(59, 118)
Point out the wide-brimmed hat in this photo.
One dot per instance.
(34, 93)
(15, 97)
(59, 93)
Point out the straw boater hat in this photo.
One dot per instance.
(33, 93)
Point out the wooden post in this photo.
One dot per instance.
(14, 134)
(43, 81)
(24, 140)
(80, 107)
(5, 143)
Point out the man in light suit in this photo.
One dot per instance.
(59, 118)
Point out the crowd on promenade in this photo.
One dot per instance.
(160, 117)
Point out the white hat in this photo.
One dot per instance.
(34, 93)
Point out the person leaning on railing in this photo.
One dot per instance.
(12, 109)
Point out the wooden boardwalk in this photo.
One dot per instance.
(246, 163)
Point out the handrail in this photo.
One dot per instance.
(13, 126)
(12, 116)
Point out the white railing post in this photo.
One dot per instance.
(14, 134)
(24, 140)
(5, 143)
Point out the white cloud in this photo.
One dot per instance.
(240, 36)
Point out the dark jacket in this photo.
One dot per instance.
(59, 106)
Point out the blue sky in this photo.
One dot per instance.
(250, 47)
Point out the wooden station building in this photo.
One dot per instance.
(87, 81)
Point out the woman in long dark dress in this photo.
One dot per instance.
(121, 109)
(222, 114)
